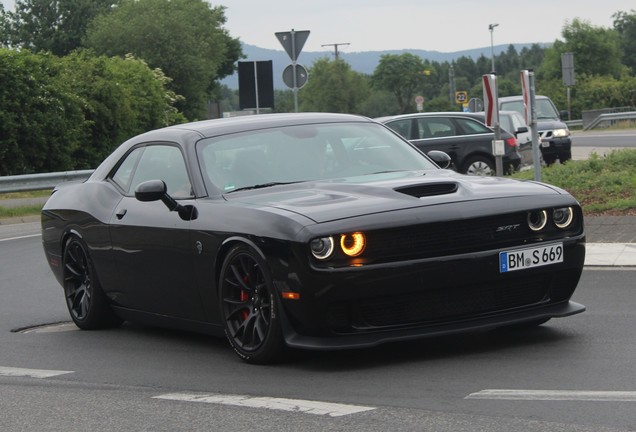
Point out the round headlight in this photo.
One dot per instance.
(537, 220)
(563, 217)
(352, 244)
(321, 248)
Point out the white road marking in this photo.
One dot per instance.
(556, 395)
(33, 373)
(282, 404)
(20, 237)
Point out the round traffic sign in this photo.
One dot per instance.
(301, 75)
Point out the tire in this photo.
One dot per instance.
(85, 299)
(549, 159)
(249, 307)
(564, 157)
(479, 165)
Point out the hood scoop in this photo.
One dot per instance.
(428, 189)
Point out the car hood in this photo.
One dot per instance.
(549, 124)
(324, 201)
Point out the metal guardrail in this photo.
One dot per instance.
(33, 182)
(611, 117)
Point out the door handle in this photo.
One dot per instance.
(120, 213)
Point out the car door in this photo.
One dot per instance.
(151, 245)
(439, 133)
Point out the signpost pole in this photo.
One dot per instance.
(529, 103)
(491, 108)
(256, 87)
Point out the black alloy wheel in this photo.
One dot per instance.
(85, 300)
(249, 308)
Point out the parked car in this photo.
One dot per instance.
(467, 141)
(314, 231)
(554, 134)
(514, 123)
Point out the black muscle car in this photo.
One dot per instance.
(314, 231)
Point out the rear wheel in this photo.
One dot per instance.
(86, 302)
(479, 165)
(249, 307)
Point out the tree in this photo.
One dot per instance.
(121, 98)
(403, 75)
(56, 26)
(41, 122)
(596, 51)
(184, 38)
(59, 114)
(625, 25)
(4, 27)
(333, 87)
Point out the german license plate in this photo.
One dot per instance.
(522, 259)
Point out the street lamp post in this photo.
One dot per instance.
(491, 27)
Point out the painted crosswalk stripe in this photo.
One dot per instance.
(33, 373)
(556, 395)
(282, 404)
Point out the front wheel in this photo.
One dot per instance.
(479, 165)
(86, 302)
(249, 307)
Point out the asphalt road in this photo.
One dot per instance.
(601, 142)
(140, 378)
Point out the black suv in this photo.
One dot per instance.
(467, 141)
(554, 135)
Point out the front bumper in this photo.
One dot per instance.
(362, 307)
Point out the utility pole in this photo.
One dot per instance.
(335, 46)
(491, 27)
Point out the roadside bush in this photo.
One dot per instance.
(41, 122)
(59, 114)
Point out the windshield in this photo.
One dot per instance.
(545, 108)
(301, 153)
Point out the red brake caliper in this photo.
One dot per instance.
(245, 312)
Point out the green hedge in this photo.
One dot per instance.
(59, 114)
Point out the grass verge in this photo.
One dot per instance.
(604, 185)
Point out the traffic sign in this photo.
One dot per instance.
(301, 76)
(490, 99)
(293, 42)
(461, 97)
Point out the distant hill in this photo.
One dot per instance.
(363, 62)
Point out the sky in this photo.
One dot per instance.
(378, 25)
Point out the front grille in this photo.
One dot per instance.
(458, 237)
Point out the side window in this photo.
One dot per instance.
(162, 162)
(472, 127)
(124, 173)
(438, 127)
(402, 127)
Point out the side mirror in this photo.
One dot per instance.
(155, 190)
(152, 190)
(441, 158)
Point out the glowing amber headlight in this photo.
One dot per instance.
(352, 244)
